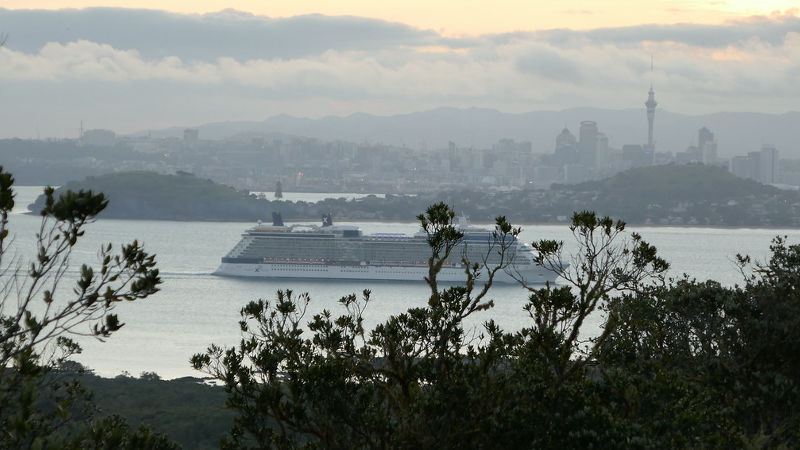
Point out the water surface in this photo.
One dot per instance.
(195, 308)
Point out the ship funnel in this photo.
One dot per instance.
(277, 220)
(327, 220)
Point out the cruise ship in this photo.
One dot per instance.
(344, 252)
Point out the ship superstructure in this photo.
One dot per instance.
(344, 252)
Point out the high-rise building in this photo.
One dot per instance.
(602, 152)
(768, 164)
(565, 139)
(587, 143)
(566, 151)
(747, 166)
(704, 135)
(651, 115)
(706, 146)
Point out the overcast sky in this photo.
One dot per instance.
(136, 69)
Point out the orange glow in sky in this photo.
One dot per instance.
(468, 17)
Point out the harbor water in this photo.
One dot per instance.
(194, 308)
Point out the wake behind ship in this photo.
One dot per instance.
(344, 252)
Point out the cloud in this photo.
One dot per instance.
(768, 29)
(549, 63)
(205, 37)
(215, 67)
(243, 36)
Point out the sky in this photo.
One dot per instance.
(131, 65)
(464, 17)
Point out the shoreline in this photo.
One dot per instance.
(410, 222)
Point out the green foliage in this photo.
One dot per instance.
(683, 194)
(701, 364)
(111, 432)
(677, 364)
(38, 312)
(421, 379)
(672, 194)
(185, 410)
(676, 183)
(605, 264)
(148, 195)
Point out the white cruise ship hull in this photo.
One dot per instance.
(531, 274)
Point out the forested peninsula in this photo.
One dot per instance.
(695, 195)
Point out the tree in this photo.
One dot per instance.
(279, 189)
(422, 379)
(701, 364)
(605, 264)
(342, 388)
(39, 312)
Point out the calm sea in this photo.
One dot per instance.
(195, 309)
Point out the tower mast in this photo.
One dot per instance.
(651, 110)
(651, 114)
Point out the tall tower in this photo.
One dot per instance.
(651, 115)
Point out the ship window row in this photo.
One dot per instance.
(337, 251)
(389, 256)
(296, 269)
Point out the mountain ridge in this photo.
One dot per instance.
(736, 132)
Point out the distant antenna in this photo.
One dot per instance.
(80, 131)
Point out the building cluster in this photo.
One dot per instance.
(257, 163)
(761, 166)
(589, 156)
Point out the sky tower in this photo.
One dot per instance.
(651, 115)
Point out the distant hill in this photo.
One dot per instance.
(711, 195)
(661, 195)
(674, 184)
(736, 132)
(148, 195)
